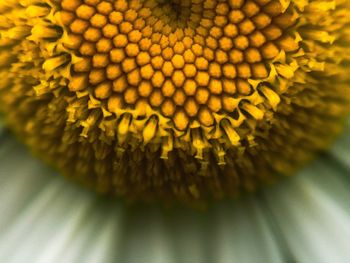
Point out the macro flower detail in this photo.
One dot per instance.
(175, 99)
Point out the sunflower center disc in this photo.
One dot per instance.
(175, 99)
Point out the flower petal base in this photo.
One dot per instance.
(179, 99)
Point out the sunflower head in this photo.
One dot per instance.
(175, 99)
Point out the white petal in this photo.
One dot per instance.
(312, 209)
(47, 219)
(240, 233)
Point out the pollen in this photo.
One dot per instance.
(175, 100)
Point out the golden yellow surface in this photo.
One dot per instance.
(175, 99)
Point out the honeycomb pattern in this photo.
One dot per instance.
(187, 60)
(175, 100)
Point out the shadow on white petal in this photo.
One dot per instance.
(312, 210)
(45, 218)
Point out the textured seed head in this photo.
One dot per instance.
(174, 99)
